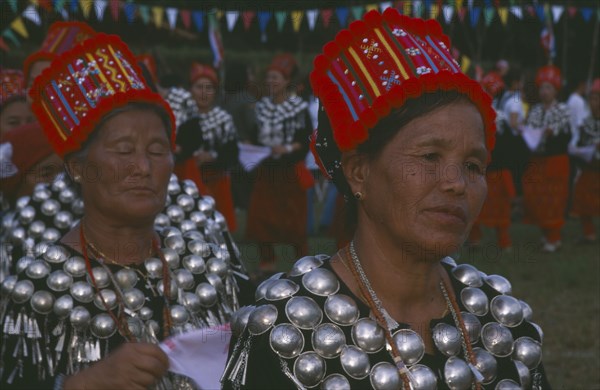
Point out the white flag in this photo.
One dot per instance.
(232, 17)
(100, 7)
(32, 14)
(172, 17)
(311, 16)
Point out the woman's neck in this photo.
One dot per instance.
(279, 98)
(549, 104)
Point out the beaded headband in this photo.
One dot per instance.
(81, 86)
(375, 66)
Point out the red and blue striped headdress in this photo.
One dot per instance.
(379, 63)
(81, 86)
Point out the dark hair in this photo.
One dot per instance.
(514, 74)
(11, 100)
(386, 129)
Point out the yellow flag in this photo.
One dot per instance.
(19, 27)
(406, 8)
(157, 13)
(465, 64)
(434, 11)
(459, 4)
(297, 20)
(220, 14)
(370, 7)
(86, 7)
(503, 13)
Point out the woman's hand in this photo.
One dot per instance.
(131, 366)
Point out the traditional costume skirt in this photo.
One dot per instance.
(586, 196)
(496, 210)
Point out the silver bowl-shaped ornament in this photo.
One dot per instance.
(321, 282)
(82, 292)
(524, 374)
(468, 275)
(341, 309)
(220, 221)
(528, 351)
(507, 310)
(303, 312)
(186, 202)
(80, 317)
(23, 263)
(199, 248)
(262, 319)
(281, 289)
(36, 229)
(499, 283)
(335, 382)
(8, 285)
(42, 302)
(304, 265)
(66, 196)
(105, 299)
(160, 286)
(101, 277)
(194, 263)
(50, 207)
(59, 183)
(173, 187)
(41, 192)
(206, 204)
(310, 369)
(410, 345)
(239, 320)
(497, 339)
(75, 266)
(18, 234)
(22, 202)
(179, 314)
(447, 339)
(193, 235)
(77, 207)
(38, 269)
(184, 279)
(63, 219)
(368, 335)
(385, 376)
(539, 331)
(27, 215)
(423, 378)
(146, 313)
(59, 280)
(51, 235)
(472, 326)
(162, 220)
(507, 384)
(170, 231)
(527, 312)
(217, 266)
(175, 213)
(475, 300)
(457, 374)
(191, 302)
(486, 364)
(154, 268)
(355, 362)
(63, 306)
(199, 218)
(133, 299)
(103, 326)
(187, 225)
(328, 340)
(126, 278)
(190, 188)
(286, 340)
(40, 248)
(215, 281)
(171, 255)
(262, 288)
(56, 254)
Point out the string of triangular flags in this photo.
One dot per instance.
(188, 18)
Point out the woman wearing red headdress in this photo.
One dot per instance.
(546, 179)
(208, 143)
(277, 211)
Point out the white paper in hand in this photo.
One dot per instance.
(200, 354)
(532, 137)
(251, 155)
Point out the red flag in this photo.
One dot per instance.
(326, 15)
(3, 45)
(46, 4)
(186, 18)
(247, 17)
(114, 9)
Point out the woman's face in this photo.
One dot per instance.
(276, 83)
(426, 188)
(14, 115)
(547, 92)
(125, 174)
(204, 92)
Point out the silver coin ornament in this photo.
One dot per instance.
(193, 235)
(23, 263)
(82, 292)
(160, 286)
(281, 289)
(468, 275)
(51, 235)
(472, 326)
(133, 299)
(59, 280)
(186, 202)
(42, 302)
(36, 229)
(328, 340)
(239, 320)
(199, 218)
(63, 306)
(507, 384)
(524, 374)
(194, 263)
(457, 374)
(527, 311)
(154, 268)
(199, 248)
(262, 319)
(191, 302)
(175, 213)
(103, 326)
(77, 207)
(187, 225)
(320, 281)
(423, 378)
(162, 220)
(207, 294)
(101, 277)
(447, 339)
(40, 248)
(67, 196)
(539, 331)
(341, 309)
(368, 335)
(38, 269)
(22, 202)
(56, 254)
(528, 351)
(171, 255)
(75, 266)
(27, 215)
(497, 339)
(286, 340)
(8, 285)
(170, 231)
(18, 234)
(475, 300)
(507, 310)
(105, 297)
(310, 369)
(184, 279)
(218, 267)
(80, 318)
(499, 283)
(50, 207)
(59, 183)
(63, 219)
(355, 362)
(303, 312)
(304, 265)
(146, 313)
(385, 376)
(335, 382)
(190, 188)
(410, 345)
(179, 314)
(126, 278)
(262, 288)
(41, 192)
(220, 221)
(173, 187)
(486, 364)
(206, 205)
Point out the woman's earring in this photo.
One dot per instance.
(76, 178)
(358, 195)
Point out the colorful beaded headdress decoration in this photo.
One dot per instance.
(71, 97)
(11, 85)
(374, 67)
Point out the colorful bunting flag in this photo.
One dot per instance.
(157, 16)
(186, 18)
(517, 11)
(86, 7)
(572, 11)
(488, 15)
(3, 45)
(144, 11)
(448, 11)
(539, 10)
(587, 13)
(198, 18)
(214, 37)
(100, 7)
(9, 34)
(31, 13)
(384, 5)
(406, 8)
(357, 12)
(434, 11)
(172, 17)
(418, 8)
(13, 5)
(326, 16)
(114, 9)
(19, 27)
(247, 18)
(231, 17)
(129, 11)
(280, 18)
(74, 6)
(263, 20)
(311, 18)
(371, 7)
(297, 17)
(342, 15)
(474, 16)
(557, 11)
(503, 14)
(59, 5)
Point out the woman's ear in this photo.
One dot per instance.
(356, 170)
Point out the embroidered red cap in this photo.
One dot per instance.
(549, 74)
(11, 85)
(202, 70)
(492, 83)
(285, 64)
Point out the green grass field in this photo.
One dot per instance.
(563, 289)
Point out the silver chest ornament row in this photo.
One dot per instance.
(309, 357)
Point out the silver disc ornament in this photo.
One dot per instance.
(472, 326)
(303, 312)
(457, 374)
(101, 277)
(486, 364)
(82, 292)
(105, 297)
(447, 339)
(75, 266)
(328, 340)
(355, 362)
(335, 382)
(423, 378)
(499, 283)
(368, 335)
(286, 340)
(385, 376)
(410, 346)
(80, 318)
(475, 300)
(507, 310)
(304, 265)
(468, 275)
(126, 278)
(207, 294)
(321, 282)
(309, 369)
(22, 291)
(37, 269)
(341, 309)
(281, 289)
(528, 351)
(239, 320)
(497, 339)
(42, 302)
(103, 326)
(63, 306)
(56, 254)
(262, 319)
